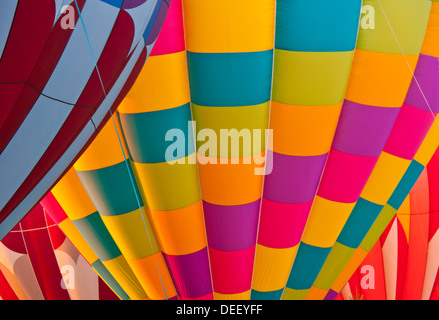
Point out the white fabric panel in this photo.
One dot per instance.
(23, 208)
(29, 144)
(7, 12)
(390, 261)
(77, 62)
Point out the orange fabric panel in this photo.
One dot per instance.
(303, 130)
(349, 269)
(316, 294)
(153, 269)
(180, 224)
(380, 79)
(230, 184)
(431, 44)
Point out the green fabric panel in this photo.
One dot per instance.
(311, 78)
(407, 18)
(378, 227)
(334, 265)
(291, 294)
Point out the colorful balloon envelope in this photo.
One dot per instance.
(38, 262)
(403, 264)
(63, 65)
(260, 152)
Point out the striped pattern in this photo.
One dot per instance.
(58, 215)
(27, 253)
(343, 160)
(230, 57)
(368, 282)
(395, 160)
(52, 95)
(311, 68)
(158, 103)
(418, 164)
(76, 203)
(378, 84)
(41, 263)
(109, 181)
(79, 278)
(404, 258)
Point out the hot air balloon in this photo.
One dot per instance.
(405, 154)
(312, 63)
(263, 144)
(80, 210)
(130, 181)
(108, 175)
(67, 226)
(386, 215)
(159, 103)
(230, 71)
(63, 65)
(403, 264)
(39, 262)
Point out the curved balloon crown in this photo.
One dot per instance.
(261, 152)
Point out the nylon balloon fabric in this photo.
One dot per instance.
(259, 149)
(63, 64)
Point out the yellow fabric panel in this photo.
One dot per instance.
(154, 275)
(126, 230)
(430, 46)
(403, 215)
(151, 91)
(230, 184)
(325, 222)
(316, 294)
(229, 25)
(384, 178)
(429, 145)
(349, 269)
(217, 119)
(78, 240)
(303, 130)
(405, 223)
(272, 267)
(72, 196)
(168, 186)
(235, 296)
(380, 79)
(180, 231)
(292, 294)
(122, 273)
(105, 150)
(404, 209)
